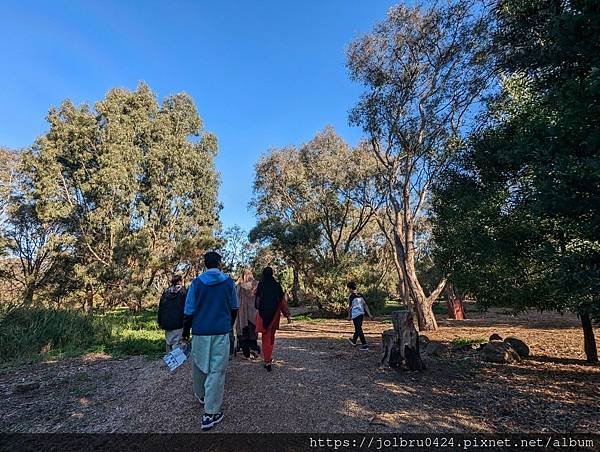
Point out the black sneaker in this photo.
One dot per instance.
(352, 342)
(269, 367)
(199, 399)
(364, 348)
(210, 420)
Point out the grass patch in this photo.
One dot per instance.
(308, 318)
(388, 307)
(460, 341)
(36, 334)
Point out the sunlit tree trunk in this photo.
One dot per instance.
(454, 303)
(89, 299)
(589, 341)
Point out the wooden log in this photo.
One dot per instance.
(401, 345)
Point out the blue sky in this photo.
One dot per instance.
(263, 74)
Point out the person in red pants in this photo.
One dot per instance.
(271, 303)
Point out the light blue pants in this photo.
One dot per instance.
(210, 357)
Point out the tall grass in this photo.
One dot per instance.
(39, 333)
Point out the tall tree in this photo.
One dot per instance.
(314, 202)
(518, 220)
(128, 187)
(423, 69)
(9, 163)
(238, 252)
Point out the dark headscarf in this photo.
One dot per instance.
(268, 295)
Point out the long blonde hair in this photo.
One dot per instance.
(246, 276)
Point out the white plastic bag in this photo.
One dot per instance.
(178, 356)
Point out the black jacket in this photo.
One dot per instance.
(170, 308)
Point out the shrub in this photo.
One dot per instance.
(376, 299)
(37, 331)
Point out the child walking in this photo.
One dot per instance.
(356, 313)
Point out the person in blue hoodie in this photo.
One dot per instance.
(211, 307)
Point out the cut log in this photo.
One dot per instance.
(401, 345)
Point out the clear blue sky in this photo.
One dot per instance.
(263, 73)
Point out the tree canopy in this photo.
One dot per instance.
(518, 218)
(128, 188)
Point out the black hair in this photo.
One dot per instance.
(351, 285)
(176, 279)
(212, 259)
(267, 273)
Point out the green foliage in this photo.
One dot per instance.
(387, 307)
(518, 219)
(236, 250)
(38, 333)
(439, 308)
(315, 207)
(376, 298)
(44, 332)
(423, 70)
(134, 333)
(128, 190)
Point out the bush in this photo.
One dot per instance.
(376, 299)
(37, 331)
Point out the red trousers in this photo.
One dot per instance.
(268, 341)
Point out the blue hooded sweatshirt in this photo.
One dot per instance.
(211, 299)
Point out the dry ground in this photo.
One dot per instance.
(322, 384)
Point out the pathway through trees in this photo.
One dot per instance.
(322, 384)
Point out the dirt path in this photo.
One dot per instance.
(322, 384)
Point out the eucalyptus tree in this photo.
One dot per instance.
(127, 186)
(423, 70)
(313, 202)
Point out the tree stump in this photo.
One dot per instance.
(401, 345)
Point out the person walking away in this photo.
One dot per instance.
(210, 310)
(246, 319)
(270, 303)
(170, 312)
(356, 312)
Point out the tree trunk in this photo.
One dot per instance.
(391, 353)
(295, 287)
(28, 295)
(422, 305)
(401, 345)
(89, 299)
(589, 341)
(425, 316)
(454, 303)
